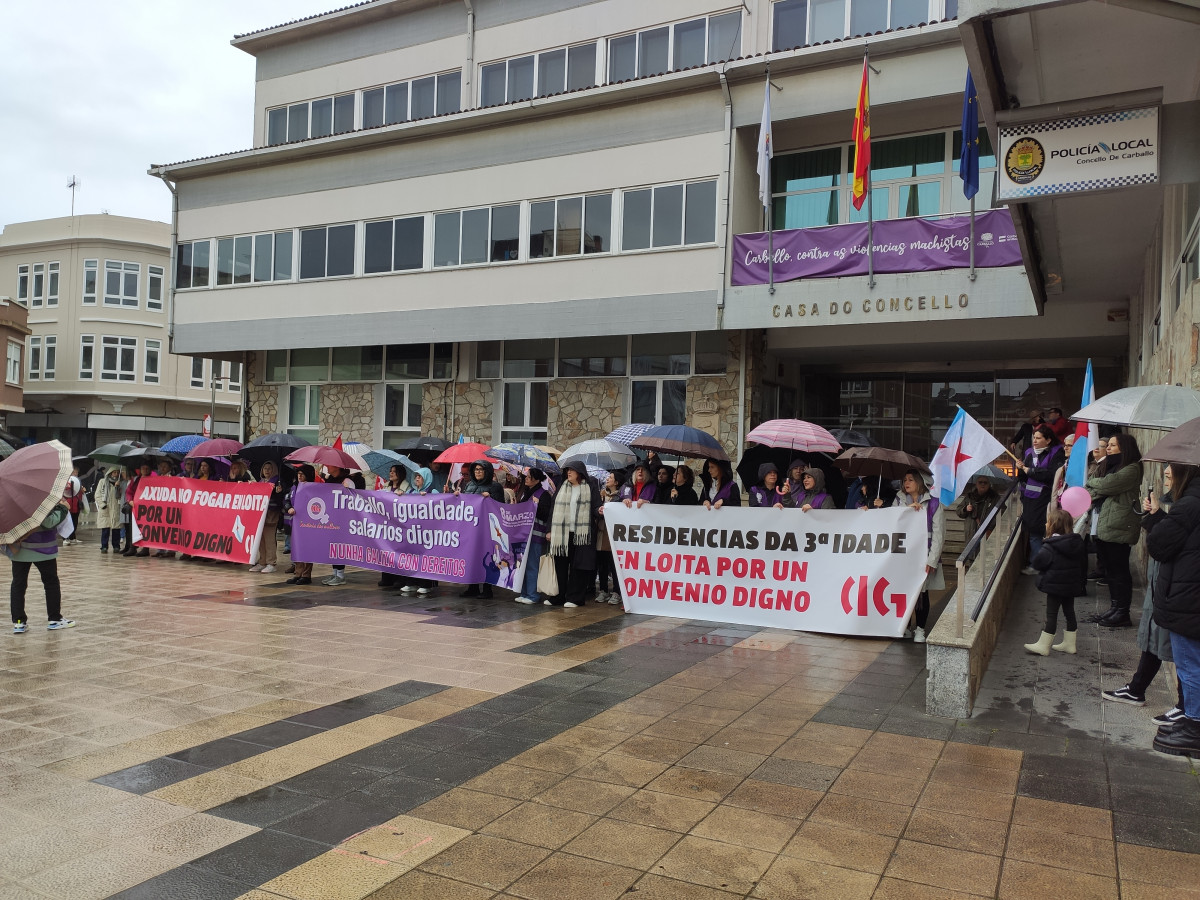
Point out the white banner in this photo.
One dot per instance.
(838, 571)
(1084, 153)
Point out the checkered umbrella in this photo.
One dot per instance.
(627, 434)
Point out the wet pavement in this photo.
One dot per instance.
(206, 732)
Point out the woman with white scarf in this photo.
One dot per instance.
(574, 525)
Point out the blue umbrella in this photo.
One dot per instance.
(184, 444)
(681, 440)
(626, 434)
(381, 461)
(526, 456)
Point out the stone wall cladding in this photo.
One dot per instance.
(348, 410)
(262, 401)
(582, 408)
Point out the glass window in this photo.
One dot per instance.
(922, 199)
(712, 352)
(373, 108)
(23, 283)
(906, 13)
(402, 406)
(443, 361)
(622, 58)
(277, 126)
(879, 206)
(52, 284)
(487, 356)
(39, 283)
(506, 233)
(91, 273)
(395, 107)
(150, 364)
(424, 98)
(662, 354)
(275, 366)
(449, 93)
(34, 355)
(951, 9)
(154, 287)
(304, 410)
(492, 90)
(581, 66)
(569, 226)
(409, 250)
(922, 154)
(552, 72)
(309, 364)
(635, 220)
(12, 372)
(283, 256)
(201, 254)
(128, 360)
(264, 257)
(869, 16)
(668, 215)
(297, 128)
(791, 24)
(597, 223)
(322, 118)
(49, 360)
(446, 238)
(806, 171)
(725, 36)
(225, 261)
(341, 250)
(405, 361)
(700, 224)
(234, 382)
(198, 372)
(593, 357)
(474, 236)
(243, 250)
(312, 254)
(643, 402)
(828, 20)
(529, 358)
(652, 51)
(690, 40)
(87, 356)
(524, 413)
(806, 210)
(343, 113)
(377, 247)
(514, 404)
(541, 229)
(520, 78)
(357, 363)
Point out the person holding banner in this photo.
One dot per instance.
(574, 524)
(915, 493)
(483, 481)
(639, 489)
(268, 548)
(127, 508)
(335, 476)
(421, 484)
(662, 484)
(539, 537)
(719, 486)
(766, 493)
(302, 571)
(811, 493)
(683, 491)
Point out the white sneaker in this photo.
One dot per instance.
(256, 568)
(1029, 570)
(408, 589)
(602, 596)
(528, 601)
(56, 624)
(614, 599)
(424, 591)
(570, 605)
(918, 635)
(267, 570)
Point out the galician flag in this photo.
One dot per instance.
(766, 150)
(1086, 435)
(966, 448)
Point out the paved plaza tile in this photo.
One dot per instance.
(210, 733)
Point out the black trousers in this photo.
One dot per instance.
(48, 569)
(1116, 569)
(921, 613)
(573, 582)
(606, 571)
(1055, 602)
(1148, 666)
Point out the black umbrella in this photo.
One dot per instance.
(135, 456)
(271, 448)
(422, 443)
(848, 437)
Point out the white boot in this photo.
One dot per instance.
(1042, 647)
(1068, 643)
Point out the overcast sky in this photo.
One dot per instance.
(100, 89)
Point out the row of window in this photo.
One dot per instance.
(112, 358)
(227, 375)
(651, 51)
(663, 216)
(37, 284)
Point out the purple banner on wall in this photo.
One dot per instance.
(901, 245)
(468, 539)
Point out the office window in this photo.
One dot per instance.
(515, 359)
(154, 287)
(39, 284)
(472, 236)
(52, 273)
(658, 401)
(87, 356)
(405, 101)
(12, 369)
(150, 372)
(570, 226)
(662, 354)
(666, 48)
(234, 382)
(192, 264)
(197, 372)
(49, 357)
(395, 245)
(790, 24)
(401, 411)
(419, 362)
(309, 364)
(316, 118)
(34, 373)
(118, 358)
(249, 258)
(712, 353)
(593, 357)
(327, 252)
(23, 284)
(357, 363)
(538, 75)
(656, 217)
(275, 366)
(524, 412)
(91, 268)
(304, 411)
(121, 283)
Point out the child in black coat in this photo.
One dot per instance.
(1060, 562)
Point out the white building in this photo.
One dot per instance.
(97, 363)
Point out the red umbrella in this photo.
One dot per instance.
(32, 482)
(463, 453)
(215, 447)
(325, 456)
(796, 434)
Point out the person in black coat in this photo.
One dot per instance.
(1173, 538)
(683, 490)
(1060, 562)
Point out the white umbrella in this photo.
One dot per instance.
(1161, 406)
(602, 453)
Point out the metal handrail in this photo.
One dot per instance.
(976, 543)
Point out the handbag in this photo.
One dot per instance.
(547, 582)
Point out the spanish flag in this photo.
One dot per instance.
(862, 140)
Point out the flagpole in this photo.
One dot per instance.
(870, 205)
(972, 275)
(767, 214)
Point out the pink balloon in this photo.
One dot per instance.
(1076, 501)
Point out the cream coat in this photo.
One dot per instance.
(109, 497)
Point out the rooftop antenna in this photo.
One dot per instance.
(73, 184)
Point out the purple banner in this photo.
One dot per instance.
(441, 537)
(901, 245)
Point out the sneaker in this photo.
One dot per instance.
(1103, 582)
(547, 603)
(256, 568)
(267, 570)
(918, 635)
(1029, 570)
(602, 596)
(1170, 717)
(1124, 695)
(408, 589)
(570, 605)
(56, 624)
(334, 580)
(614, 599)
(20, 628)
(424, 591)
(103, 549)
(528, 601)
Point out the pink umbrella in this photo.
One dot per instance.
(214, 447)
(795, 434)
(324, 456)
(32, 482)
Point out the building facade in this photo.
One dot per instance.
(96, 359)
(521, 221)
(13, 332)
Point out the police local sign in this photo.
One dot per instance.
(1084, 153)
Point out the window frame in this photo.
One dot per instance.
(33, 358)
(38, 290)
(14, 359)
(287, 108)
(671, 26)
(537, 55)
(935, 10)
(23, 284)
(91, 266)
(194, 378)
(523, 433)
(522, 243)
(120, 344)
(87, 352)
(124, 269)
(653, 188)
(53, 279)
(49, 356)
(658, 381)
(424, 219)
(439, 109)
(298, 252)
(151, 349)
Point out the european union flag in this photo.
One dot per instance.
(968, 162)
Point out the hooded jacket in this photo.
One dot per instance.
(1173, 538)
(1118, 492)
(488, 484)
(426, 483)
(110, 495)
(817, 498)
(1061, 563)
(760, 495)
